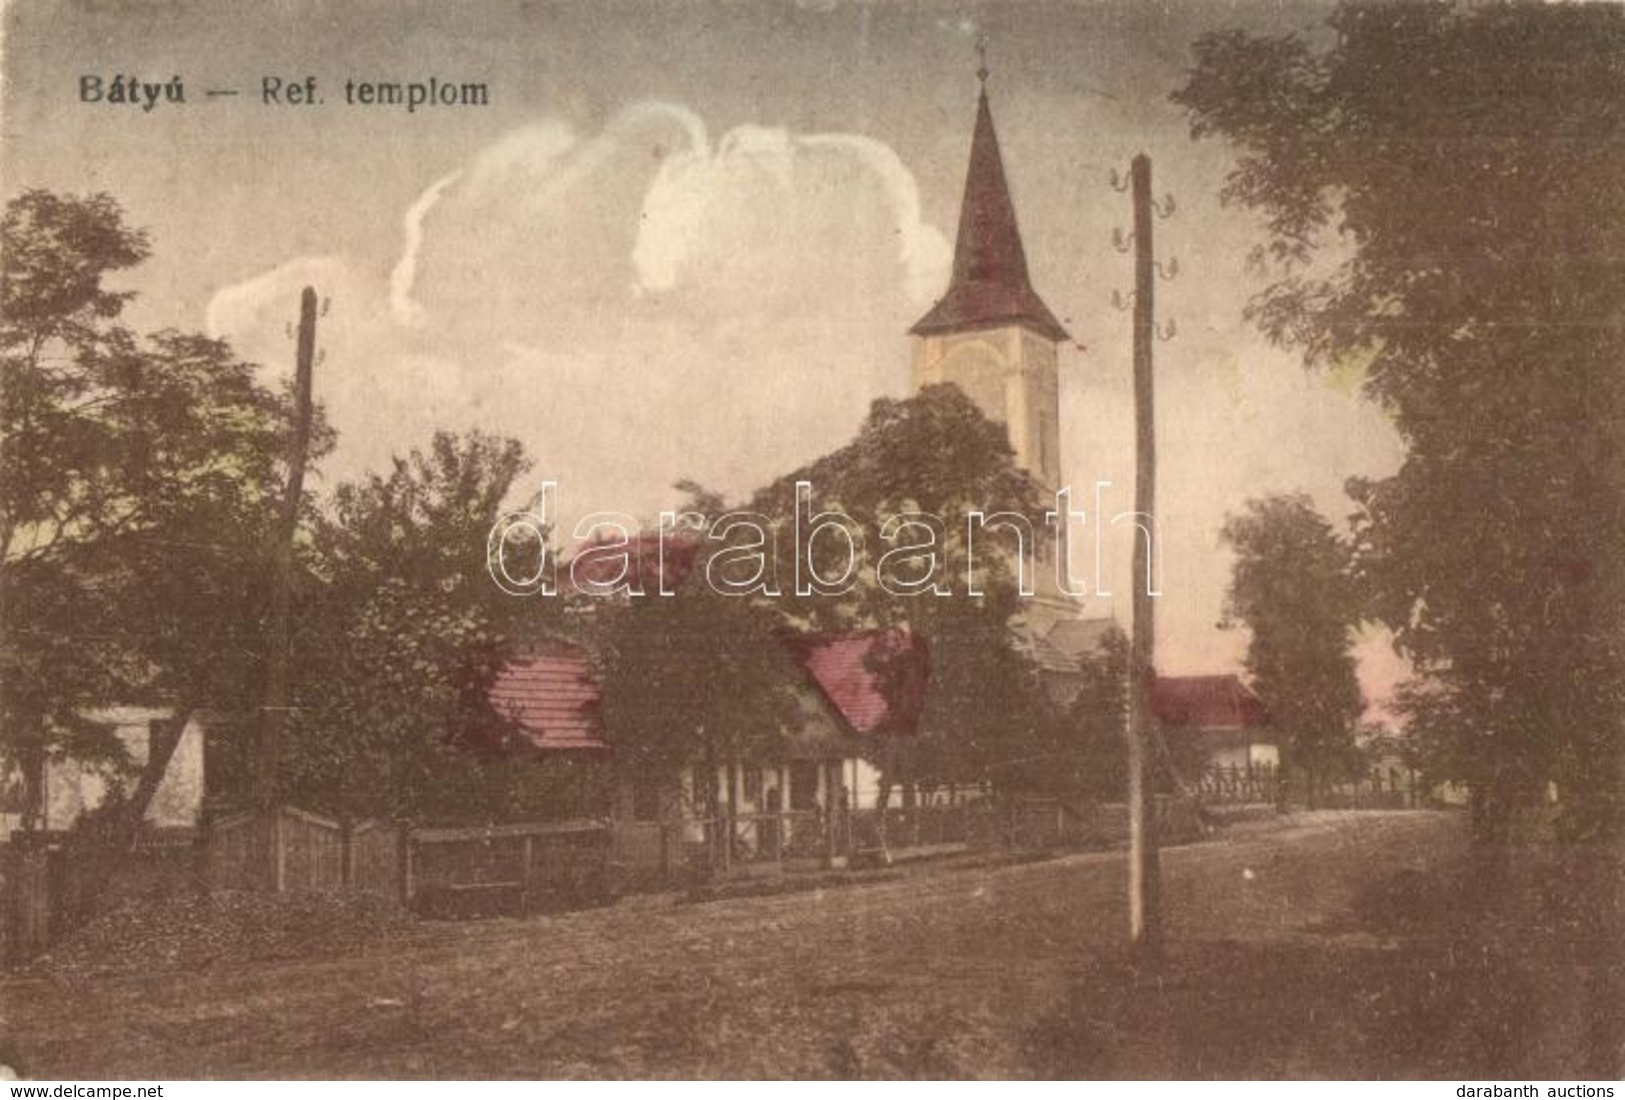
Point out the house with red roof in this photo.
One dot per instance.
(1220, 716)
(551, 695)
(859, 687)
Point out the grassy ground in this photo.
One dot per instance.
(1450, 972)
(1317, 945)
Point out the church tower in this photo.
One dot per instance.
(993, 337)
(990, 334)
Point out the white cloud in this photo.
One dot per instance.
(753, 164)
(402, 307)
(249, 307)
(923, 250)
(639, 283)
(513, 163)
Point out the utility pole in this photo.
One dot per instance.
(1144, 873)
(274, 715)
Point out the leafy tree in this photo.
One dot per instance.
(1082, 748)
(931, 455)
(1467, 161)
(403, 635)
(133, 485)
(704, 677)
(699, 678)
(1291, 585)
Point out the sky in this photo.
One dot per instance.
(687, 240)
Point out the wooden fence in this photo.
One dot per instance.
(1364, 796)
(467, 871)
(25, 909)
(440, 869)
(676, 850)
(295, 850)
(375, 853)
(926, 826)
(544, 865)
(653, 853)
(1393, 789)
(1057, 823)
(1237, 785)
(52, 881)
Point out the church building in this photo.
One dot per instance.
(992, 336)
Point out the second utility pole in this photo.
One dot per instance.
(279, 656)
(1144, 871)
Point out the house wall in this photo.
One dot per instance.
(862, 781)
(72, 788)
(1256, 755)
(859, 779)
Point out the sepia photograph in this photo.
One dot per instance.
(866, 540)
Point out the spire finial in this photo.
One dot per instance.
(981, 57)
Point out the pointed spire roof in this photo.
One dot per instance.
(990, 285)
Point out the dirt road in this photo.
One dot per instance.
(942, 973)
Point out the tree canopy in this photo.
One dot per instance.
(1292, 586)
(699, 678)
(140, 481)
(707, 674)
(134, 479)
(402, 635)
(935, 459)
(1465, 163)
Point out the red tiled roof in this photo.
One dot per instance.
(1206, 703)
(875, 680)
(990, 285)
(554, 698)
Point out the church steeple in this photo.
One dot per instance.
(994, 338)
(990, 285)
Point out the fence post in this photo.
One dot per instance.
(725, 830)
(346, 853)
(202, 842)
(29, 915)
(848, 812)
(527, 874)
(10, 898)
